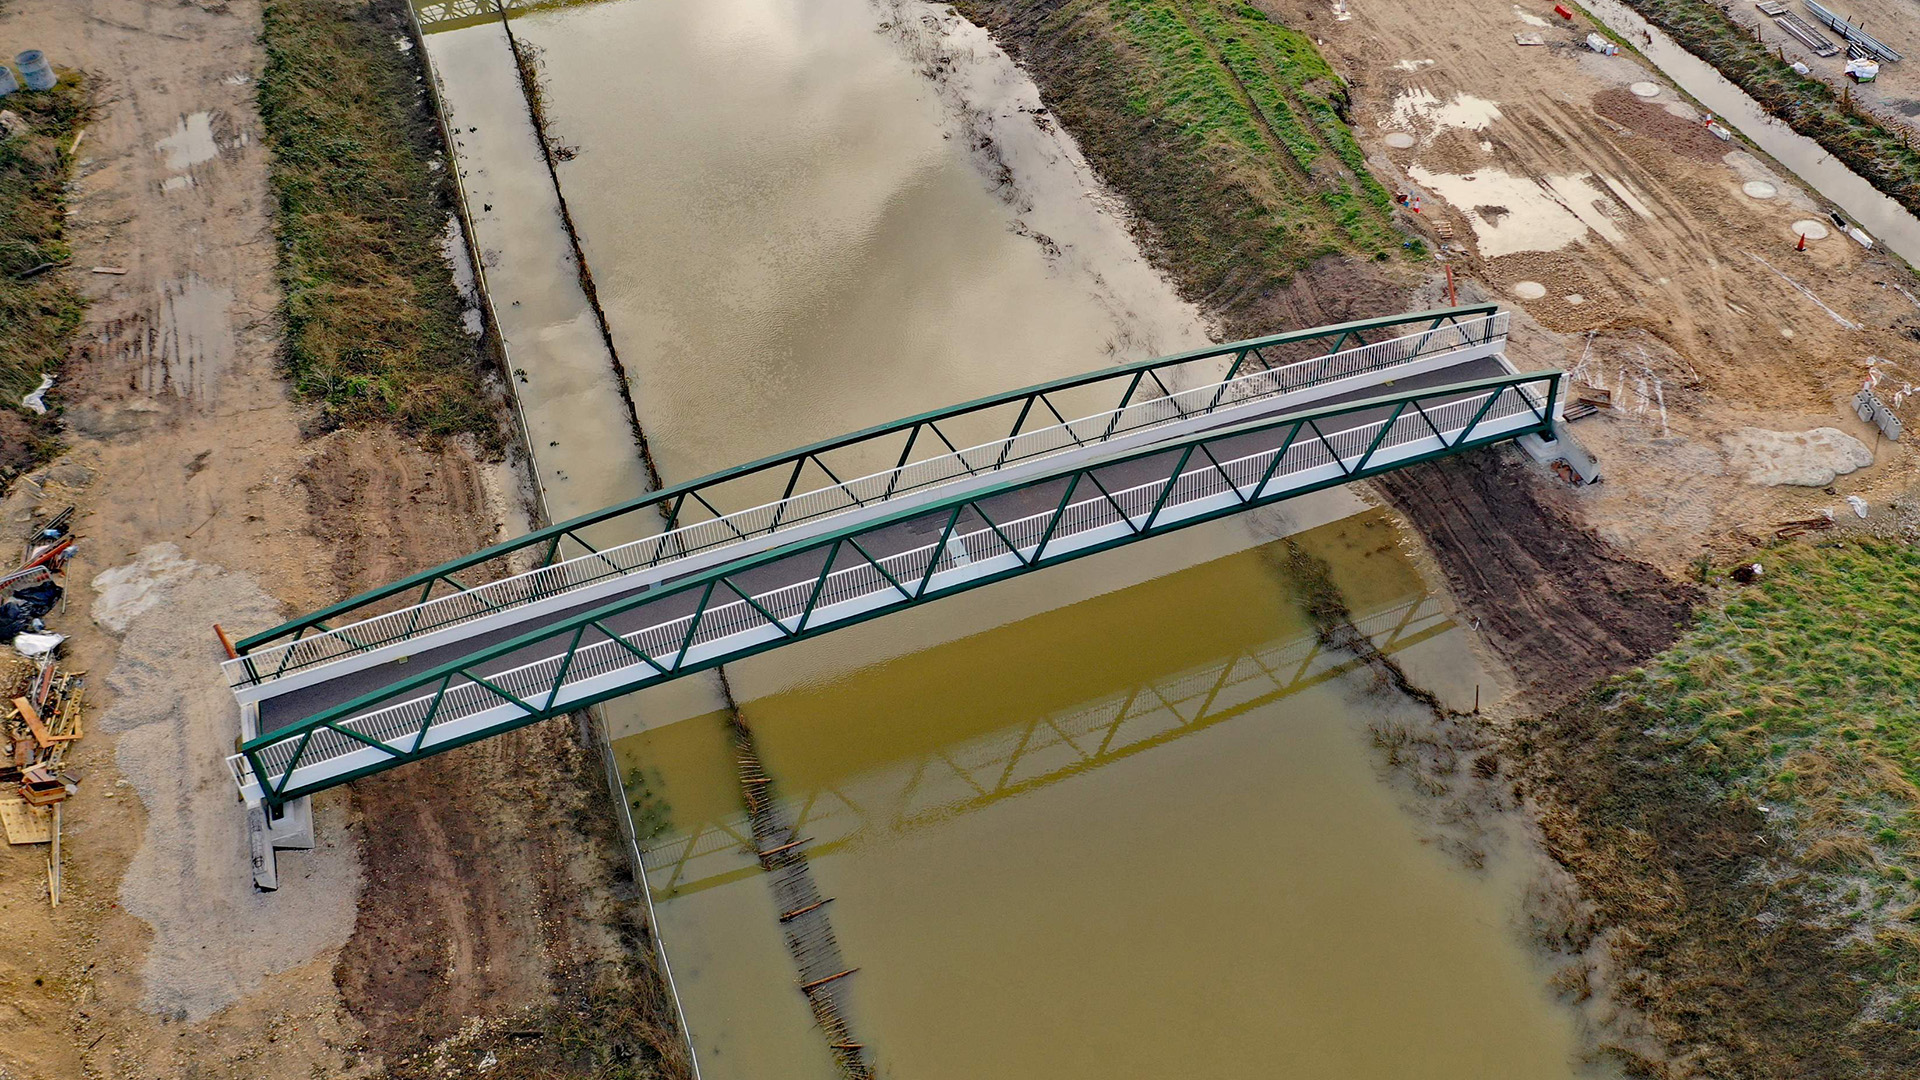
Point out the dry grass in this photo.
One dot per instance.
(39, 307)
(372, 317)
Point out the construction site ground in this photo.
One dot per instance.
(1665, 283)
(448, 896)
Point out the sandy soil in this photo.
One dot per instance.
(204, 499)
(1662, 281)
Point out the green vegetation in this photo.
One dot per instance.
(39, 307)
(1261, 97)
(372, 316)
(1224, 129)
(1800, 691)
(1808, 105)
(1744, 811)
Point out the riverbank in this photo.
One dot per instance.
(487, 897)
(372, 320)
(1229, 138)
(1740, 813)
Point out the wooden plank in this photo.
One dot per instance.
(24, 824)
(32, 716)
(799, 911)
(53, 860)
(808, 988)
(68, 723)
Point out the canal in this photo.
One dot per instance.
(1122, 818)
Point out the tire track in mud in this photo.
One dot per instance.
(1280, 153)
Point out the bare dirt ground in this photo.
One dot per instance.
(1664, 282)
(1552, 607)
(162, 961)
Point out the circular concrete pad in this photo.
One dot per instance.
(1528, 290)
(1399, 140)
(1811, 229)
(1645, 89)
(1759, 189)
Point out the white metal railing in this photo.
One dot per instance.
(558, 579)
(402, 723)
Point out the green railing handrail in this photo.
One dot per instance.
(708, 580)
(552, 535)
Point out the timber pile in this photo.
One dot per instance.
(40, 701)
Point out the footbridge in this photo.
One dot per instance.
(796, 545)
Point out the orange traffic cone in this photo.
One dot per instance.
(1802, 246)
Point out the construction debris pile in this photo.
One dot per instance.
(40, 701)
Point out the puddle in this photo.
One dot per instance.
(191, 142)
(1420, 107)
(192, 345)
(1520, 213)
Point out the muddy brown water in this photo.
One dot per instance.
(1120, 818)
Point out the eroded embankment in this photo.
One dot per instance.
(1559, 605)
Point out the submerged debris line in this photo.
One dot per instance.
(803, 921)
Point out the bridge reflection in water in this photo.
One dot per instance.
(917, 775)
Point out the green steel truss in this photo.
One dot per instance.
(439, 16)
(880, 566)
(728, 506)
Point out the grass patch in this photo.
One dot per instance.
(1745, 809)
(1799, 691)
(372, 317)
(39, 307)
(1881, 155)
(1224, 129)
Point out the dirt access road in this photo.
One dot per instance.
(1624, 232)
(464, 893)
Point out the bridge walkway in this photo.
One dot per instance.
(324, 735)
(281, 710)
(734, 514)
